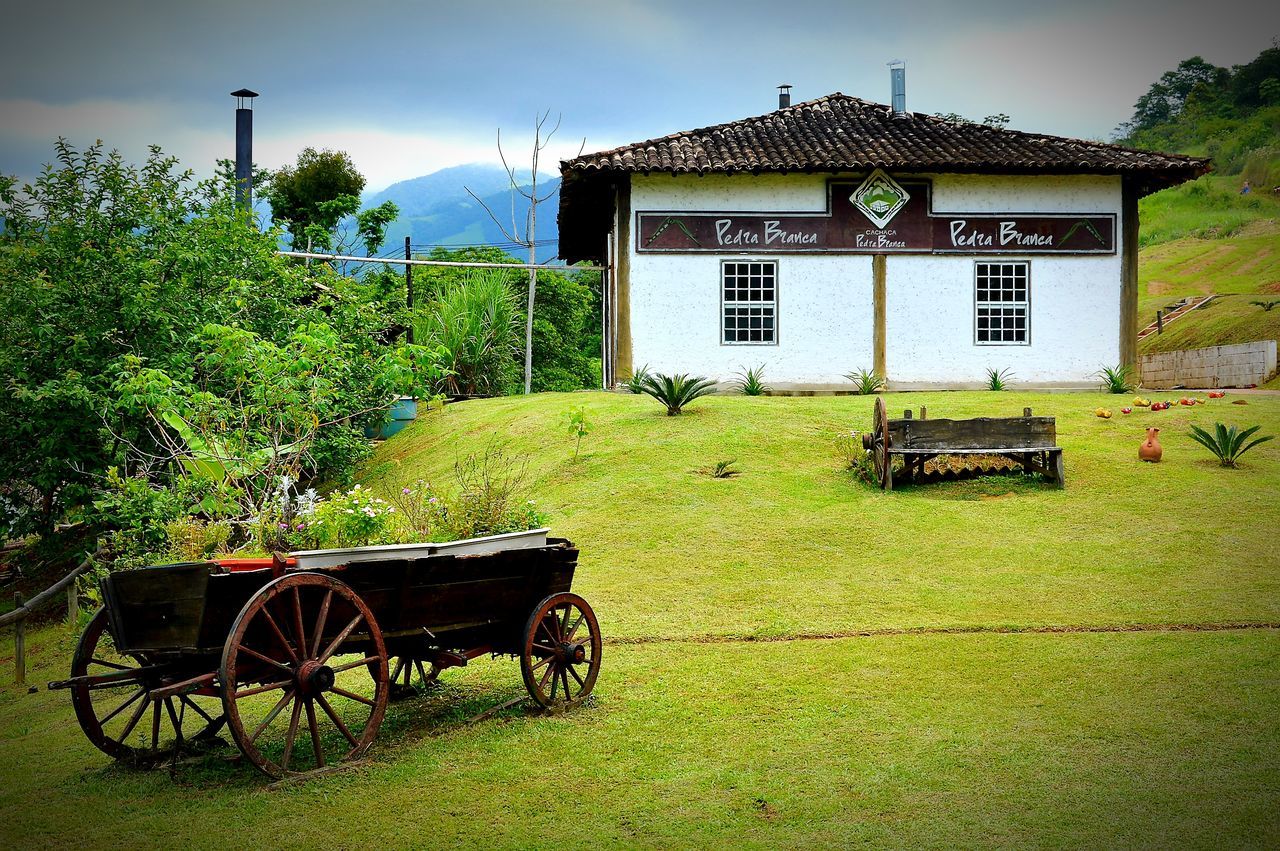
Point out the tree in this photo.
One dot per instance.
(526, 237)
(371, 225)
(312, 196)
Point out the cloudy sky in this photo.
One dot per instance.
(408, 88)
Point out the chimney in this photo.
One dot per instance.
(898, 86)
(784, 96)
(244, 147)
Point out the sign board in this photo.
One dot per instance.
(878, 215)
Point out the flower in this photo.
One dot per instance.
(405, 491)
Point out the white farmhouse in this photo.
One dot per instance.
(838, 234)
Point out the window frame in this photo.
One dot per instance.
(724, 264)
(1024, 304)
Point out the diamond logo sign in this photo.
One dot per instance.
(879, 198)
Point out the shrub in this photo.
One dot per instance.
(998, 380)
(752, 382)
(1227, 443)
(724, 470)
(676, 391)
(192, 539)
(1115, 379)
(356, 518)
(474, 319)
(865, 383)
(490, 486)
(636, 382)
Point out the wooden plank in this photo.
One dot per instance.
(974, 450)
(879, 334)
(1128, 342)
(1015, 433)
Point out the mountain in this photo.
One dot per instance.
(437, 211)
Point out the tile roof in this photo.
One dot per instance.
(842, 133)
(839, 132)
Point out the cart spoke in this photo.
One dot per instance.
(122, 707)
(400, 663)
(352, 696)
(564, 676)
(275, 627)
(173, 718)
(301, 633)
(342, 636)
(104, 663)
(293, 734)
(542, 683)
(247, 649)
(581, 681)
(328, 710)
(573, 630)
(271, 716)
(356, 664)
(249, 692)
(133, 721)
(555, 681)
(315, 734)
(195, 707)
(321, 621)
(155, 725)
(545, 660)
(564, 624)
(544, 647)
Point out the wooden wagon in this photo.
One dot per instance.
(292, 655)
(1030, 442)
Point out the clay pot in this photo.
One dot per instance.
(1151, 450)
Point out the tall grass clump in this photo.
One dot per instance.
(1227, 443)
(866, 382)
(1115, 379)
(676, 391)
(999, 379)
(636, 382)
(475, 322)
(751, 382)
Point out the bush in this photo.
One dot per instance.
(638, 377)
(1115, 379)
(998, 380)
(356, 518)
(676, 391)
(192, 539)
(865, 383)
(474, 320)
(1227, 443)
(751, 382)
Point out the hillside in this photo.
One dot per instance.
(436, 210)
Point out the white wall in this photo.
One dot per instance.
(825, 320)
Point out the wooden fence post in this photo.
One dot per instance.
(73, 605)
(19, 643)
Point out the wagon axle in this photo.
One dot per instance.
(314, 677)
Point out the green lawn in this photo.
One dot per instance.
(1150, 738)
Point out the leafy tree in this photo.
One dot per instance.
(110, 270)
(371, 225)
(313, 195)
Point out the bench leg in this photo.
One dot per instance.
(1058, 475)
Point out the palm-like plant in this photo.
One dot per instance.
(636, 382)
(751, 382)
(676, 391)
(999, 379)
(865, 382)
(1116, 379)
(1227, 442)
(474, 321)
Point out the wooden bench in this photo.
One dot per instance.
(1028, 441)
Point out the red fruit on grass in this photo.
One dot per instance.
(1126, 410)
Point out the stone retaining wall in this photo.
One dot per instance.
(1217, 366)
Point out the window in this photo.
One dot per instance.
(749, 293)
(1002, 298)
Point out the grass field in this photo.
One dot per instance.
(1159, 731)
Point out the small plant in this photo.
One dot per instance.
(356, 518)
(192, 539)
(999, 380)
(865, 383)
(1227, 442)
(579, 426)
(1116, 379)
(638, 377)
(1266, 305)
(752, 382)
(724, 470)
(676, 391)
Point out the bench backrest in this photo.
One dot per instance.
(994, 433)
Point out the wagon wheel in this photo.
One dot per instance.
(119, 716)
(880, 444)
(282, 655)
(560, 657)
(402, 675)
